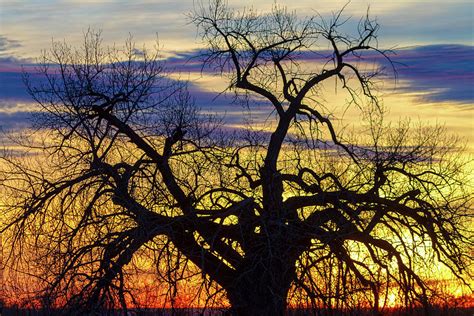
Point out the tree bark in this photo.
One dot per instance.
(258, 302)
(261, 289)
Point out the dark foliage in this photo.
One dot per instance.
(130, 171)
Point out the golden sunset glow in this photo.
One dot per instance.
(238, 156)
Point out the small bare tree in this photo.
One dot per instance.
(133, 170)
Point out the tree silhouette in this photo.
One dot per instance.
(134, 170)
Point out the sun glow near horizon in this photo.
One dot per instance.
(399, 183)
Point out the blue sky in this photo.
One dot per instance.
(433, 40)
(30, 25)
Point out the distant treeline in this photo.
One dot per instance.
(435, 311)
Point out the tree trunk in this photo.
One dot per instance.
(248, 302)
(261, 290)
(269, 310)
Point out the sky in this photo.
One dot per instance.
(433, 41)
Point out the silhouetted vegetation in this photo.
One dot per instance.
(125, 178)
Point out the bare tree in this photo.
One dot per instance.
(133, 170)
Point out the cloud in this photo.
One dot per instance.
(403, 21)
(425, 23)
(14, 120)
(442, 73)
(12, 87)
(7, 44)
(439, 73)
(436, 73)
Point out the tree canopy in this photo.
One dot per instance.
(131, 170)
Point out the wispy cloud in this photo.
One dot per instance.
(403, 21)
(15, 120)
(440, 72)
(437, 73)
(7, 45)
(12, 88)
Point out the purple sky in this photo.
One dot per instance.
(433, 39)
